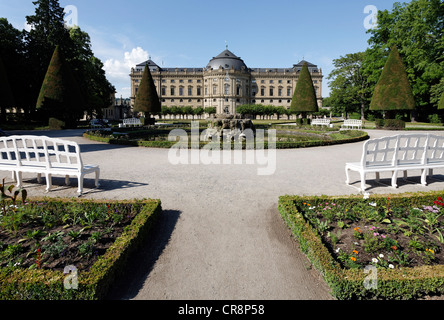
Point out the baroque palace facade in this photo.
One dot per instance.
(225, 83)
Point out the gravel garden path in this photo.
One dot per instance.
(221, 236)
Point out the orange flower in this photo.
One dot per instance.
(352, 258)
(355, 252)
(394, 247)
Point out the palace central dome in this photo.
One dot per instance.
(227, 60)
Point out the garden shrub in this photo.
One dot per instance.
(347, 283)
(56, 124)
(394, 124)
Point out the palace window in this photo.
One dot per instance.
(172, 91)
(190, 91)
(288, 92)
(280, 92)
(214, 90)
(262, 91)
(180, 91)
(271, 91)
(199, 91)
(163, 91)
(227, 89)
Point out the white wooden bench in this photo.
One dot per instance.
(131, 122)
(320, 122)
(423, 152)
(43, 155)
(352, 124)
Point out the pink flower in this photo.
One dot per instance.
(375, 234)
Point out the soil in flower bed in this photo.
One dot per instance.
(36, 236)
(385, 237)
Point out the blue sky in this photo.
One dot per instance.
(178, 33)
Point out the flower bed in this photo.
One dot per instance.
(389, 247)
(41, 240)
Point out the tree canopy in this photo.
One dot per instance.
(304, 98)
(147, 99)
(393, 91)
(27, 54)
(417, 29)
(350, 90)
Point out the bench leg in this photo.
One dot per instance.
(48, 182)
(347, 177)
(39, 178)
(97, 178)
(363, 186)
(424, 176)
(80, 188)
(378, 176)
(19, 180)
(67, 180)
(395, 179)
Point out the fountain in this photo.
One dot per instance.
(229, 127)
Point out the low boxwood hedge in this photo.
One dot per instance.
(44, 284)
(355, 137)
(346, 284)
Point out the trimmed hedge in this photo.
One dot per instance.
(25, 284)
(359, 136)
(347, 284)
(390, 124)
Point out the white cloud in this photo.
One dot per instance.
(119, 70)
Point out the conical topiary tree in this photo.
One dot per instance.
(147, 100)
(6, 96)
(393, 91)
(304, 99)
(60, 96)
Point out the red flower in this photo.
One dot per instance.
(439, 202)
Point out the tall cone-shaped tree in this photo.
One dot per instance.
(60, 95)
(304, 98)
(393, 91)
(7, 98)
(147, 100)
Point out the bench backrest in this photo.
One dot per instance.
(435, 149)
(353, 121)
(131, 121)
(379, 152)
(41, 151)
(414, 149)
(321, 121)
